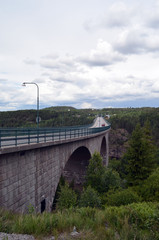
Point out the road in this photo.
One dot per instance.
(100, 122)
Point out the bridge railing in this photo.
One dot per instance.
(19, 136)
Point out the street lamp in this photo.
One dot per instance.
(24, 84)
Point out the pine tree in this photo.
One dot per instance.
(140, 156)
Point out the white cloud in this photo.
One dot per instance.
(86, 105)
(103, 55)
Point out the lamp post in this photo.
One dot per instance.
(24, 84)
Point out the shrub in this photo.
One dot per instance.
(122, 197)
(67, 198)
(94, 172)
(89, 198)
(99, 177)
(149, 189)
(110, 180)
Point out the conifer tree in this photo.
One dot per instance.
(140, 156)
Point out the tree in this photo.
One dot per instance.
(95, 172)
(67, 198)
(99, 177)
(140, 156)
(90, 198)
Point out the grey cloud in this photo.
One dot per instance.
(3, 80)
(100, 60)
(117, 16)
(137, 42)
(60, 79)
(29, 61)
(59, 63)
(95, 61)
(51, 56)
(154, 23)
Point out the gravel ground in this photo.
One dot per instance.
(13, 236)
(5, 236)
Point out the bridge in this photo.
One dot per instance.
(33, 160)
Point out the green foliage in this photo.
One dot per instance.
(114, 164)
(138, 221)
(140, 156)
(95, 172)
(90, 198)
(122, 197)
(110, 180)
(67, 198)
(99, 177)
(149, 189)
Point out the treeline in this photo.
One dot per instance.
(50, 117)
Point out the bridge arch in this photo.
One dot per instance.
(75, 168)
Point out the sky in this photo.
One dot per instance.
(81, 53)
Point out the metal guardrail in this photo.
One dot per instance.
(19, 136)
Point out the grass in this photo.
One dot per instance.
(137, 221)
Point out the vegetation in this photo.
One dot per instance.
(118, 202)
(99, 177)
(90, 198)
(140, 157)
(67, 198)
(122, 197)
(135, 221)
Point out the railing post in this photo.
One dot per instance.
(0, 138)
(28, 136)
(15, 137)
(37, 135)
(52, 135)
(45, 135)
(59, 134)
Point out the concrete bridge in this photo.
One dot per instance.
(30, 173)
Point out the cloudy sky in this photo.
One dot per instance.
(81, 53)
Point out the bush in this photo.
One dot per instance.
(122, 197)
(99, 177)
(89, 198)
(149, 189)
(67, 198)
(94, 172)
(110, 180)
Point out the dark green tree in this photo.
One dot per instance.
(140, 156)
(99, 177)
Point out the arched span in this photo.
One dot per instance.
(75, 168)
(103, 150)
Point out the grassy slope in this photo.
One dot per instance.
(134, 221)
